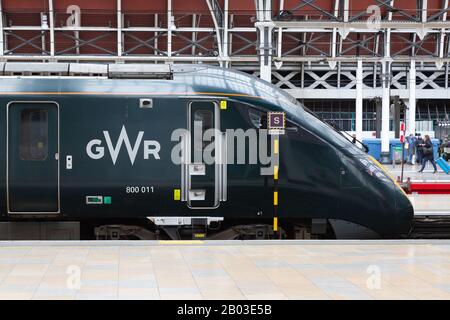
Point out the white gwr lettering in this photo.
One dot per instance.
(95, 151)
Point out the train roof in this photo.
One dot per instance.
(138, 79)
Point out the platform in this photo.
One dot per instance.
(411, 171)
(430, 204)
(225, 270)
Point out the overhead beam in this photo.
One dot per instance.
(362, 25)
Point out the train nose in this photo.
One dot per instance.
(404, 213)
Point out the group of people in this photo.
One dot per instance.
(422, 149)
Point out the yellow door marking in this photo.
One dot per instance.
(176, 194)
(275, 172)
(275, 198)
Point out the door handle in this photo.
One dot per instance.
(57, 156)
(197, 194)
(197, 169)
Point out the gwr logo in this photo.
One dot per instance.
(96, 151)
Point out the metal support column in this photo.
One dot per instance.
(412, 98)
(119, 28)
(51, 15)
(1, 30)
(226, 49)
(385, 112)
(169, 28)
(265, 28)
(359, 101)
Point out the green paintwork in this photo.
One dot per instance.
(312, 159)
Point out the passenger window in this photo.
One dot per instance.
(204, 118)
(33, 135)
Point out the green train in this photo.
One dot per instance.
(179, 152)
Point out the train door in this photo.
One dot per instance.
(203, 170)
(32, 157)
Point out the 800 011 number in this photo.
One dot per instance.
(138, 189)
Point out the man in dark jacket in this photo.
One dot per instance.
(428, 154)
(419, 149)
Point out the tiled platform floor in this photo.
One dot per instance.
(225, 270)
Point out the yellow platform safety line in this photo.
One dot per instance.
(177, 194)
(379, 165)
(275, 198)
(176, 242)
(275, 172)
(275, 224)
(275, 146)
(223, 104)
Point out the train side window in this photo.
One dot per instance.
(33, 135)
(205, 118)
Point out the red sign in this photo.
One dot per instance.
(402, 133)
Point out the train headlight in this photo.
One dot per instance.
(374, 170)
(380, 171)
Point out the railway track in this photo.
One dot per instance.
(431, 225)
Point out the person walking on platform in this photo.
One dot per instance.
(419, 149)
(427, 147)
(411, 140)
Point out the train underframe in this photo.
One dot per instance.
(207, 228)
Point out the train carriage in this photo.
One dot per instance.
(121, 154)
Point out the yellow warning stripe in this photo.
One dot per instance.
(275, 198)
(379, 165)
(180, 242)
(275, 172)
(275, 224)
(275, 146)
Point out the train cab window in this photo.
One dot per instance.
(33, 135)
(258, 118)
(205, 119)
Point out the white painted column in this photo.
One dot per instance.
(265, 54)
(119, 28)
(169, 28)
(1, 30)
(225, 34)
(265, 27)
(385, 106)
(52, 28)
(412, 98)
(359, 101)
